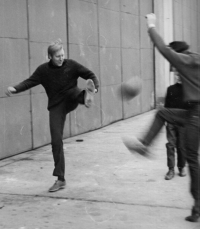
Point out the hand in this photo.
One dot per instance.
(151, 20)
(10, 91)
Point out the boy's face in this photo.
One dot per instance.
(177, 75)
(58, 57)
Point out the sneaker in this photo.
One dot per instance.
(135, 145)
(89, 93)
(182, 172)
(170, 174)
(57, 185)
(194, 216)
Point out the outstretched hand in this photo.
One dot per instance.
(10, 91)
(151, 20)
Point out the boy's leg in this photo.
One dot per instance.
(85, 96)
(171, 146)
(192, 155)
(57, 116)
(172, 116)
(181, 157)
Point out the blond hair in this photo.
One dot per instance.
(54, 47)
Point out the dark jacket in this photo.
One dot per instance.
(59, 82)
(187, 64)
(174, 97)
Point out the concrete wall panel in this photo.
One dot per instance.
(109, 26)
(47, 20)
(145, 7)
(86, 119)
(147, 64)
(110, 66)
(38, 56)
(178, 16)
(178, 32)
(186, 3)
(186, 17)
(147, 95)
(85, 55)
(111, 4)
(193, 14)
(193, 4)
(111, 104)
(179, 1)
(15, 131)
(198, 5)
(130, 6)
(194, 44)
(13, 18)
(91, 1)
(145, 41)
(198, 29)
(186, 35)
(132, 107)
(41, 134)
(130, 63)
(82, 25)
(130, 31)
(13, 62)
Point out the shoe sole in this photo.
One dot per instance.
(135, 146)
(90, 85)
(182, 175)
(54, 190)
(190, 219)
(169, 178)
(89, 93)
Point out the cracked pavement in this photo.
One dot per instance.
(107, 186)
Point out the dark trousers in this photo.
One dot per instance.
(57, 117)
(175, 137)
(191, 120)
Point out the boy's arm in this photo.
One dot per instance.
(176, 59)
(33, 81)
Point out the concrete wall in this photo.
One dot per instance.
(108, 36)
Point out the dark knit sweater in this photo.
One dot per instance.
(174, 97)
(187, 64)
(59, 82)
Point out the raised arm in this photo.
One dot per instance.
(176, 59)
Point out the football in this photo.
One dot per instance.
(131, 88)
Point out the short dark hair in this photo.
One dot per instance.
(179, 46)
(54, 47)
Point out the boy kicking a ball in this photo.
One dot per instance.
(188, 66)
(59, 77)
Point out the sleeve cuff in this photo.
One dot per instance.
(151, 26)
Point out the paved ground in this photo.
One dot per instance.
(107, 187)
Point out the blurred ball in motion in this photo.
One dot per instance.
(131, 88)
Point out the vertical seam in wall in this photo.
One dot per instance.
(122, 78)
(140, 53)
(154, 62)
(99, 56)
(67, 27)
(29, 66)
(67, 43)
